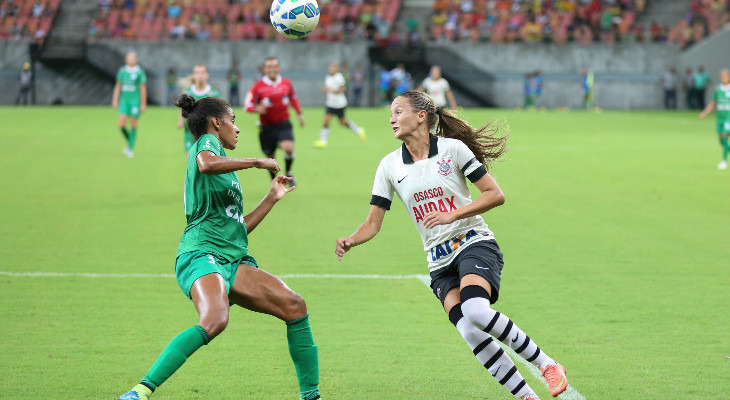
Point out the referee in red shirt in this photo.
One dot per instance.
(270, 97)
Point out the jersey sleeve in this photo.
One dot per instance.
(215, 92)
(119, 75)
(293, 100)
(340, 81)
(716, 95)
(250, 102)
(208, 143)
(142, 76)
(382, 187)
(468, 163)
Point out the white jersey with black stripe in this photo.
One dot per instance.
(436, 183)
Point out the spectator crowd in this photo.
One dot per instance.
(568, 21)
(152, 20)
(26, 19)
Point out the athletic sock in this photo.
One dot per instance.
(725, 147)
(354, 127)
(126, 134)
(132, 138)
(305, 356)
(143, 390)
(324, 133)
(477, 310)
(288, 161)
(273, 174)
(175, 354)
(489, 354)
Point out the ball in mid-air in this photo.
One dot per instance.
(294, 18)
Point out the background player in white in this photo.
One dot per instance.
(335, 86)
(429, 175)
(438, 88)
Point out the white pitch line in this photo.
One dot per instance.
(140, 275)
(569, 394)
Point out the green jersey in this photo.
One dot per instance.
(131, 79)
(721, 97)
(213, 208)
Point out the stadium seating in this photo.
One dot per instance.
(561, 21)
(154, 20)
(702, 19)
(27, 19)
(548, 21)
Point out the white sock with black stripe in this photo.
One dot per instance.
(353, 127)
(477, 310)
(488, 352)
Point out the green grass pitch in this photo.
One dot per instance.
(616, 235)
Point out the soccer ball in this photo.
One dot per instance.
(294, 18)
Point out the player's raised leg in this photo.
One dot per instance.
(211, 301)
(288, 147)
(360, 132)
(486, 350)
(257, 290)
(476, 308)
(324, 132)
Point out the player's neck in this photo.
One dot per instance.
(418, 146)
(199, 87)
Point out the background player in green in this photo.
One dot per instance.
(199, 89)
(213, 267)
(130, 95)
(721, 101)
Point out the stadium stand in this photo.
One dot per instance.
(701, 19)
(563, 21)
(541, 21)
(27, 20)
(212, 20)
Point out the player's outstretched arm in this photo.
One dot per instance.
(277, 192)
(211, 164)
(365, 232)
(708, 109)
(115, 94)
(492, 196)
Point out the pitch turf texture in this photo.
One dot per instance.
(615, 233)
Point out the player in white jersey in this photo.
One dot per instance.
(429, 175)
(335, 87)
(438, 88)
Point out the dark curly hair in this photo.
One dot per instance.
(483, 142)
(198, 113)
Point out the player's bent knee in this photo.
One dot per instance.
(215, 325)
(295, 307)
(474, 303)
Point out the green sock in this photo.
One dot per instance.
(725, 147)
(303, 352)
(132, 138)
(126, 134)
(175, 355)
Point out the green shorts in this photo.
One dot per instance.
(130, 108)
(723, 126)
(195, 264)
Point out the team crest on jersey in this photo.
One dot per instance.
(445, 167)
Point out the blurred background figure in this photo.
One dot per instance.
(669, 84)
(171, 80)
(25, 79)
(438, 88)
(234, 78)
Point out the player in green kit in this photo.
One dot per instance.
(130, 96)
(213, 267)
(199, 89)
(721, 101)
